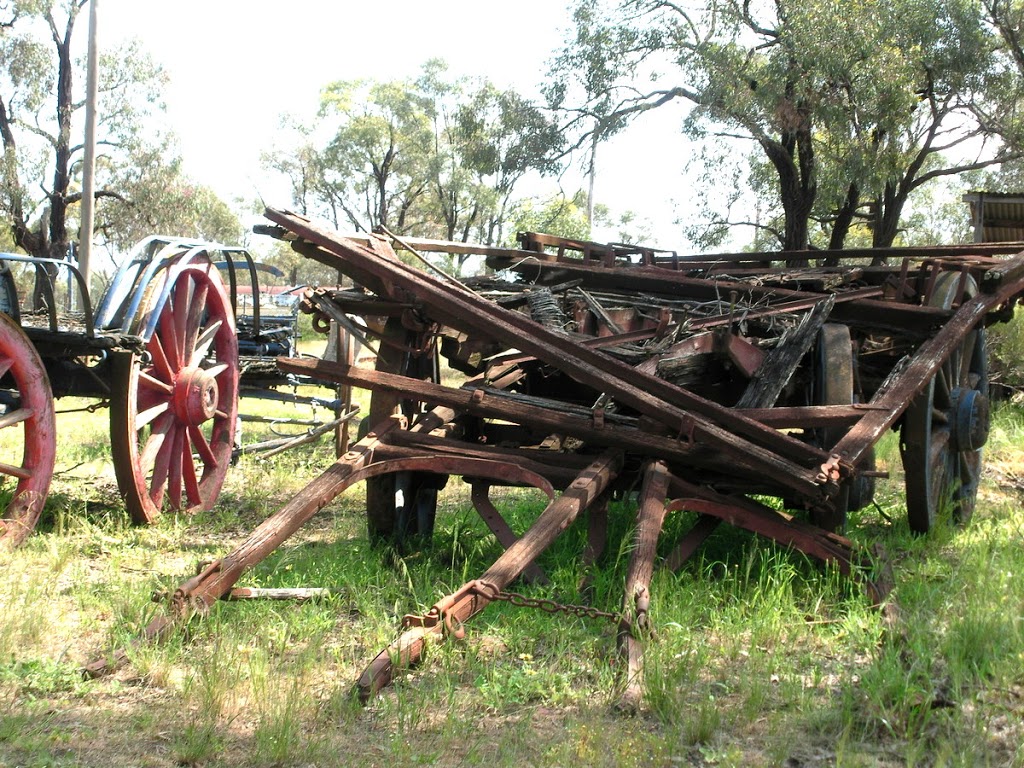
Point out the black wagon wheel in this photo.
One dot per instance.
(945, 426)
(27, 433)
(173, 412)
(401, 507)
(834, 385)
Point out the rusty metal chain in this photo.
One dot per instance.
(547, 605)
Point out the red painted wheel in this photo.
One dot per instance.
(27, 433)
(173, 421)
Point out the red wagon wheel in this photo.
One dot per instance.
(173, 425)
(946, 426)
(26, 430)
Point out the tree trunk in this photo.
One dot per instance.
(57, 245)
(843, 222)
(793, 160)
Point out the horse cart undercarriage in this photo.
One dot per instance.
(702, 384)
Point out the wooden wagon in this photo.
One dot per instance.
(708, 383)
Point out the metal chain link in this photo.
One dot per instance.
(88, 408)
(551, 606)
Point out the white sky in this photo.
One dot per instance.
(237, 65)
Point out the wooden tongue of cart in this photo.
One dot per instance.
(707, 382)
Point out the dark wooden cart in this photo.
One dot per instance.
(707, 382)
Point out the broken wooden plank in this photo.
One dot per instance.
(781, 363)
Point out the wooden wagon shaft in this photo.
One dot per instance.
(452, 611)
(647, 394)
(217, 579)
(477, 402)
(481, 498)
(635, 599)
(889, 404)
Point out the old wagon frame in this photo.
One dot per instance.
(870, 345)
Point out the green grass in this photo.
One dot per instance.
(762, 656)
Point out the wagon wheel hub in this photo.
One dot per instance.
(970, 419)
(196, 395)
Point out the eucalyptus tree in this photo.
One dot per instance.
(41, 109)
(375, 162)
(433, 156)
(155, 195)
(847, 107)
(487, 140)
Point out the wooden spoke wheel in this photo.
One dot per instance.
(401, 507)
(27, 433)
(945, 427)
(172, 419)
(834, 385)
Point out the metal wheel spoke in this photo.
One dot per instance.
(192, 490)
(943, 387)
(147, 415)
(970, 343)
(217, 370)
(940, 442)
(161, 365)
(154, 397)
(165, 330)
(180, 297)
(152, 383)
(16, 417)
(164, 458)
(155, 442)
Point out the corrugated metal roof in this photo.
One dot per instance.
(997, 217)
